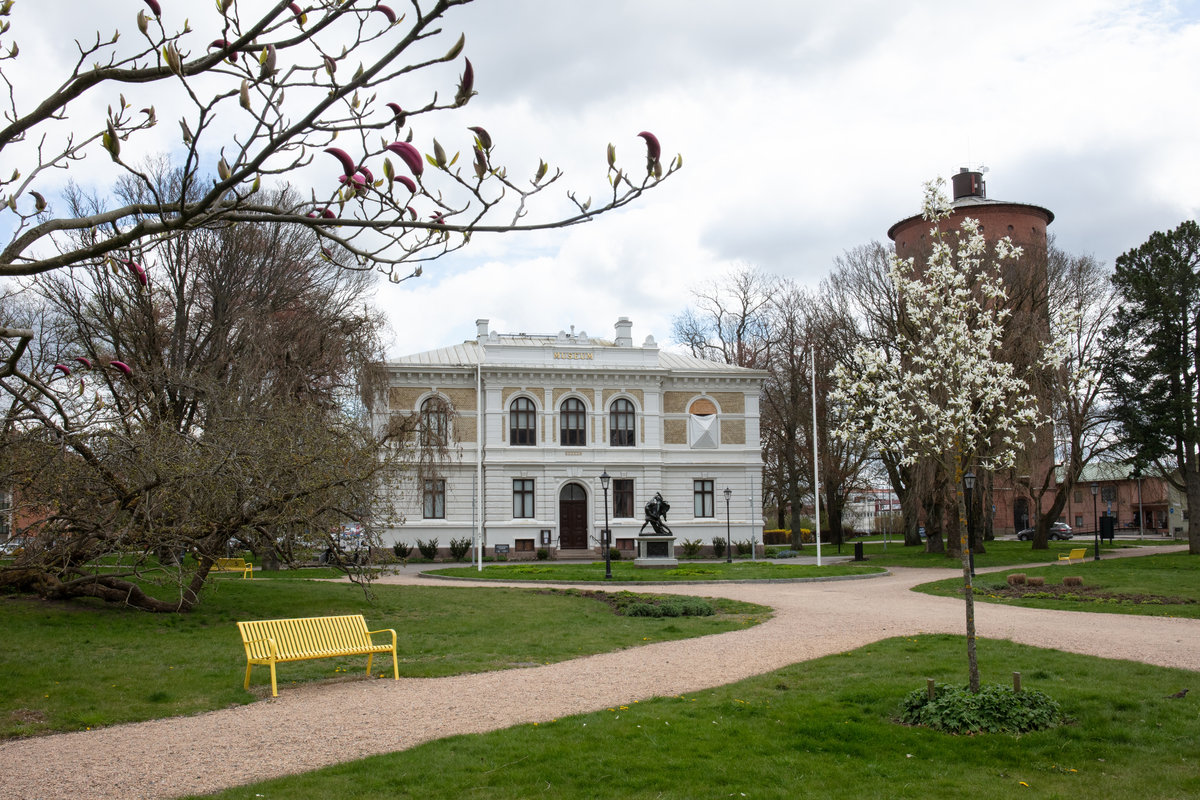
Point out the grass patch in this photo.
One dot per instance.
(625, 571)
(821, 729)
(999, 554)
(1148, 586)
(81, 665)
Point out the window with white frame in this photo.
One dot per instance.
(435, 499)
(522, 498)
(703, 494)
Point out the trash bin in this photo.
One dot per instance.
(858, 552)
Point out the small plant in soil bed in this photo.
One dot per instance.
(996, 709)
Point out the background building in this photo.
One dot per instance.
(531, 421)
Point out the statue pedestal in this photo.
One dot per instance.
(655, 552)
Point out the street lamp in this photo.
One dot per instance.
(837, 512)
(604, 479)
(728, 540)
(1137, 473)
(969, 483)
(1096, 518)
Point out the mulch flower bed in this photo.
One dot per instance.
(1082, 594)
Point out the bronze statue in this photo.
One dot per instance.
(656, 516)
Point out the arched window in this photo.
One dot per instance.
(435, 423)
(621, 424)
(522, 422)
(574, 423)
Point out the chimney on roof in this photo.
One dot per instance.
(968, 183)
(624, 332)
(481, 329)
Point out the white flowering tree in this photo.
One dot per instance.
(943, 394)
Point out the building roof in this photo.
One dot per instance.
(966, 204)
(1108, 472)
(469, 354)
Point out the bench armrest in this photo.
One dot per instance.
(268, 639)
(385, 630)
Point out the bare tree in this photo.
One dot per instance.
(268, 93)
(217, 402)
(731, 319)
(1082, 304)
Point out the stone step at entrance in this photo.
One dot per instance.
(577, 555)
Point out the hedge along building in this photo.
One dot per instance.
(532, 421)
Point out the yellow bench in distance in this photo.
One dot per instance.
(276, 641)
(234, 565)
(1079, 553)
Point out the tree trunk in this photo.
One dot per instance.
(1192, 482)
(968, 590)
(934, 525)
(987, 504)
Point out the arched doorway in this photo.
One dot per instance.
(1021, 519)
(572, 518)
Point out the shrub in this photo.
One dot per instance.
(777, 536)
(1073, 580)
(785, 554)
(996, 709)
(614, 554)
(543, 554)
(1037, 580)
(1016, 579)
(744, 548)
(691, 547)
(718, 544)
(402, 550)
(771, 552)
(673, 607)
(428, 549)
(459, 548)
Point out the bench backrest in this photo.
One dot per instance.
(306, 636)
(230, 563)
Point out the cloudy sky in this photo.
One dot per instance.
(807, 128)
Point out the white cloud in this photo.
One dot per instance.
(807, 128)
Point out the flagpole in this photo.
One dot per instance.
(816, 473)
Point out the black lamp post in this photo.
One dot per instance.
(728, 540)
(1096, 517)
(969, 484)
(604, 479)
(837, 512)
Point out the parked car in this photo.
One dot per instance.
(1059, 530)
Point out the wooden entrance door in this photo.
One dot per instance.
(572, 518)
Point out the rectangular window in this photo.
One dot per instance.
(1078, 520)
(1108, 494)
(525, 544)
(435, 499)
(522, 499)
(1078, 496)
(622, 498)
(703, 492)
(625, 544)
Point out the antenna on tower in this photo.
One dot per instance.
(984, 170)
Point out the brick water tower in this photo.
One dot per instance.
(1025, 224)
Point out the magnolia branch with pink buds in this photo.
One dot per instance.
(271, 96)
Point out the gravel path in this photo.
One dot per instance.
(316, 725)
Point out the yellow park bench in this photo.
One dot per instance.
(1077, 554)
(234, 565)
(275, 641)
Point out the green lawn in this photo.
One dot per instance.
(1168, 575)
(819, 729)
(999, 554)
(70, 666)
(626, 571)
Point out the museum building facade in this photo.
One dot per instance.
(531, 421)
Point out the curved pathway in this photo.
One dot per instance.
(317, 725)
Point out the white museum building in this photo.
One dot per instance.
(533, 420)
